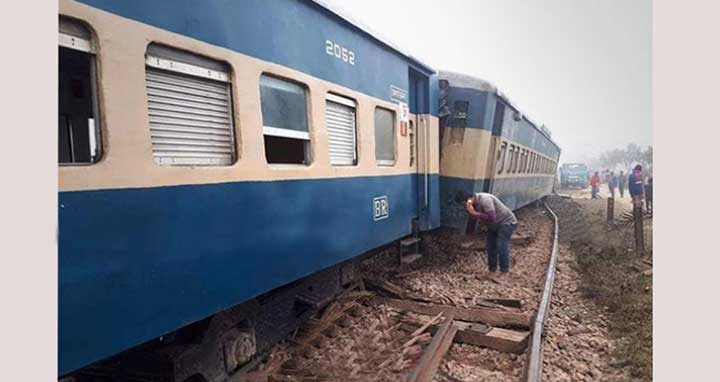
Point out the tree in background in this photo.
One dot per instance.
(625, 158)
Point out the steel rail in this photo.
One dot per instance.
(533, 367)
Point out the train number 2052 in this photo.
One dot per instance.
(340, 52)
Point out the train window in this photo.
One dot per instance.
(520, 160)
(189, 108)
(527, 161)
(384, 137)
(78, 120)
(341, 128)
(459, 121)
(508, 155)
(530, 161)
(501, 157)
(508, 165)
(285, 121)
(528, 166)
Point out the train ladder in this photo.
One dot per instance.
(409, 249)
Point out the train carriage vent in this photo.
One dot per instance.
(189, 107)
(340, 117)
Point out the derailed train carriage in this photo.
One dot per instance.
(488, 145)
(223, 165)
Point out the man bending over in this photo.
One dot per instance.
(501, 223)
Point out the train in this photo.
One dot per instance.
(224, 166)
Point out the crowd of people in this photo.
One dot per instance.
(634, 183)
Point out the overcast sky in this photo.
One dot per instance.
(581, 67)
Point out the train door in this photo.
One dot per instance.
(419, 131)
(497, 151)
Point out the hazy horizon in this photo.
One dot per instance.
(581, 68)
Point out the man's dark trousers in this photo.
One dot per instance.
(498, 247)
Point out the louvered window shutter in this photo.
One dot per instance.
(190, 114)
(340, 117)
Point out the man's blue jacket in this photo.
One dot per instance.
(635, 184)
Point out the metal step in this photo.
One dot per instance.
(409, 241)
(407, 259)
(312, 300)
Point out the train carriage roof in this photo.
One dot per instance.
(467, 81)
(374, 34)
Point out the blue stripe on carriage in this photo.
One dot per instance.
(135, 264)
(481, 113)
(292, 33)
(513, 192)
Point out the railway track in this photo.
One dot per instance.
(432, 320)
(533, 371)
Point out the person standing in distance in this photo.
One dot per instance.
(595, 184)
(612, 183)
(649, 195)
(635, 185)
(501, 223)
(622, 184)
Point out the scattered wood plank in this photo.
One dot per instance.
(394, 290)
(386, 287)
(509, 302)
(427, 324)
(413, 320)
(419, 338)
(521, 239)
(356, 295)
(487, 277)
(509, 341)
(488, 316)
(407, 274)
(434, 353)
(490, 304)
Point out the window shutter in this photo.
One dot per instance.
(190, 116)
(340, 117)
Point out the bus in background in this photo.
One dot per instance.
(574, 175)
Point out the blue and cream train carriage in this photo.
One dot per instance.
(488, 145)
(222, 166)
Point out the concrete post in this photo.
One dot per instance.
(639, 232)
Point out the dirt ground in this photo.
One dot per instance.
(360, 340)
(600, 323)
